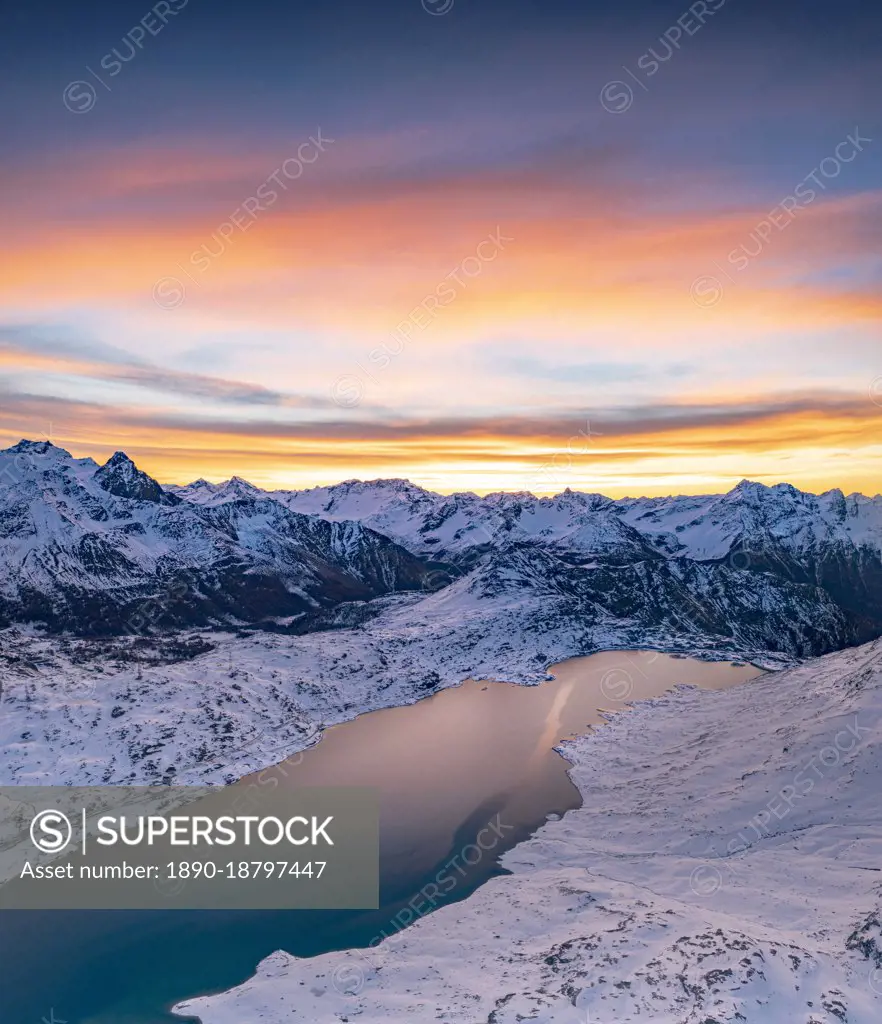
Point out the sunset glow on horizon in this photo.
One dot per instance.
(472, 273)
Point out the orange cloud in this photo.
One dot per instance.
(814, 441)
(344, 256)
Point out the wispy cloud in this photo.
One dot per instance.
(26, 348)
(497, 359)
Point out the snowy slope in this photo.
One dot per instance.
(657, 600)
(724, 867)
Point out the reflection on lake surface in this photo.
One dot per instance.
(471, 758)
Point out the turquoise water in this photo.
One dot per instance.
(476, 756)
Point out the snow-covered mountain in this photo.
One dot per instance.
(827, 540)
(459, 528)
(750, 523)
(758, 561)
(723, 866)
(106, 549)
(673, 597)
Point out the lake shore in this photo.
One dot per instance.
(96, 713)
(465, 775)
(686, 884)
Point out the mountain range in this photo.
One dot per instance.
(106, 549)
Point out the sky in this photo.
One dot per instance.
(632, 248)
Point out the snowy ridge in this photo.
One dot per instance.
(457, 527)
(702, 527)
(782, 537)
(724, 867)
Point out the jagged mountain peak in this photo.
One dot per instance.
(583, 499)
(785, 488)
(506, 499)
(204, 492)
(749, 489)
(120, 459)
(121, 477)
(754, 491)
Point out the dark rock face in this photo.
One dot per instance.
(675, 598)
(121, 477)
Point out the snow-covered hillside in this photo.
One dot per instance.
(212, 706)
(725, 866)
